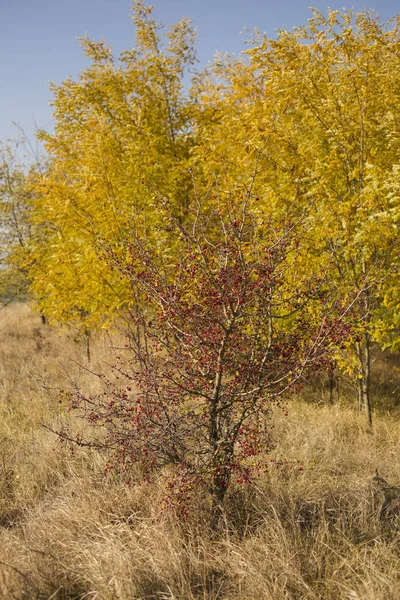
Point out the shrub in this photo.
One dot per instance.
(227, 327)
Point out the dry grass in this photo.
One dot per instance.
(65, 532)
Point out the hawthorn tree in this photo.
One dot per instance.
(223, 333)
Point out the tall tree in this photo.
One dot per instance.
(121, 135)
(321, 105)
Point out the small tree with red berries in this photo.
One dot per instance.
(226, 330)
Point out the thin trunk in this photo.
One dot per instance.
(337, 388)
(219, 470)
(364, 379)
(87, 345)
(331, 379)
(359, 395)
(367, 382)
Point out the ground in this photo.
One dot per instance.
(311, 529)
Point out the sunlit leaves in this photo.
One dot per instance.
(121, 140)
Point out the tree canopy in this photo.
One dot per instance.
(307, 124)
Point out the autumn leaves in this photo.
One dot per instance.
(305, 126)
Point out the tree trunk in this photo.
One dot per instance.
(87, 345)
(364, 377)
(331, 379)
(218, 492)
(337, 387)
(333, 382)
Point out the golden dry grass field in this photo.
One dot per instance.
(67, 532)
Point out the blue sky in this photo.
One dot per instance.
(38, 39)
